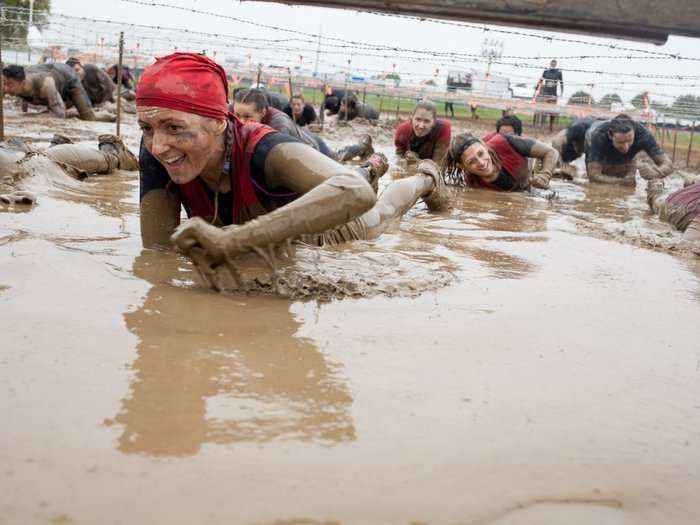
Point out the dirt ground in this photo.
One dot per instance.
(520, 359)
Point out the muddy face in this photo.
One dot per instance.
(297, 105)
(422, 122)
(476, 160)
(248, 112)
(187, 145)
(622, 142)
(506, 130)
(12, 87)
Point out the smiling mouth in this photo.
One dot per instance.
(175, 162)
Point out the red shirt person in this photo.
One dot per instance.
(424, 136)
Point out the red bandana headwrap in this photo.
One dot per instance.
(186, 82)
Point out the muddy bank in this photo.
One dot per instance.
(551, 380)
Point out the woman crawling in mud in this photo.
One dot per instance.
(245, 186)
(424, 136)
(498, 163)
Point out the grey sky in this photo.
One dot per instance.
(375, 29)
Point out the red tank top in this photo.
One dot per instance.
(511, 161)
(246, 204)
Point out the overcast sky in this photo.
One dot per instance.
(382, 30)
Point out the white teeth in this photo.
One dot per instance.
(173, 161)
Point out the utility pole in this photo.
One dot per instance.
(120, 66)
(29, 24)
(492, 51)
(318, 50)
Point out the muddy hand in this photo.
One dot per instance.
(207, 246)
(650, 172)
(540, 180)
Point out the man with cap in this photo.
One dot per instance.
(98, 86)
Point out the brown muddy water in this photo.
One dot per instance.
(518, 360)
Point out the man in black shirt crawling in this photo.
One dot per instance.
(611, 147)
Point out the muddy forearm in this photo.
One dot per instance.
(332, 196)
(336, 201)
(594, 170)
(439, 153)
(56, 104)
(547, 154)
(159, 216)
(663, 164)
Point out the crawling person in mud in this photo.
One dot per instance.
(570, 144)
(498, 163)
(299, 111)
(252, 105)
(53, 85)
(332, 99)
(425, 136)
(127, 81)
(681, 209)
(611, 146)
(19, 162)
(97, 84)
(351, 108)
(506, 125)
(264, 187)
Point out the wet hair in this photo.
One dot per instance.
(255, 96)
(427, 105)
(453, 172)
(297, 96)
(350, 101)
(622, 123)
(73, 61)
(14, 73)
(512, 121)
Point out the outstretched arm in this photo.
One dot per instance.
(332, 196)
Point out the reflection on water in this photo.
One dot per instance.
(220, 369)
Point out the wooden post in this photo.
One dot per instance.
(2, 91)
(690, 145)
(364, 94)
(120, 65)
(398, 106)
(259, 73)
(663, 136)
(675, 140)
(381, 100)
(291, 89)
(345, 97)
(322, 113)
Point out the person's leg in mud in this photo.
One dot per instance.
(85, 111)
(362, 150)
(567, 154)
(111, 154)
(12, 174)
(399, 197)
